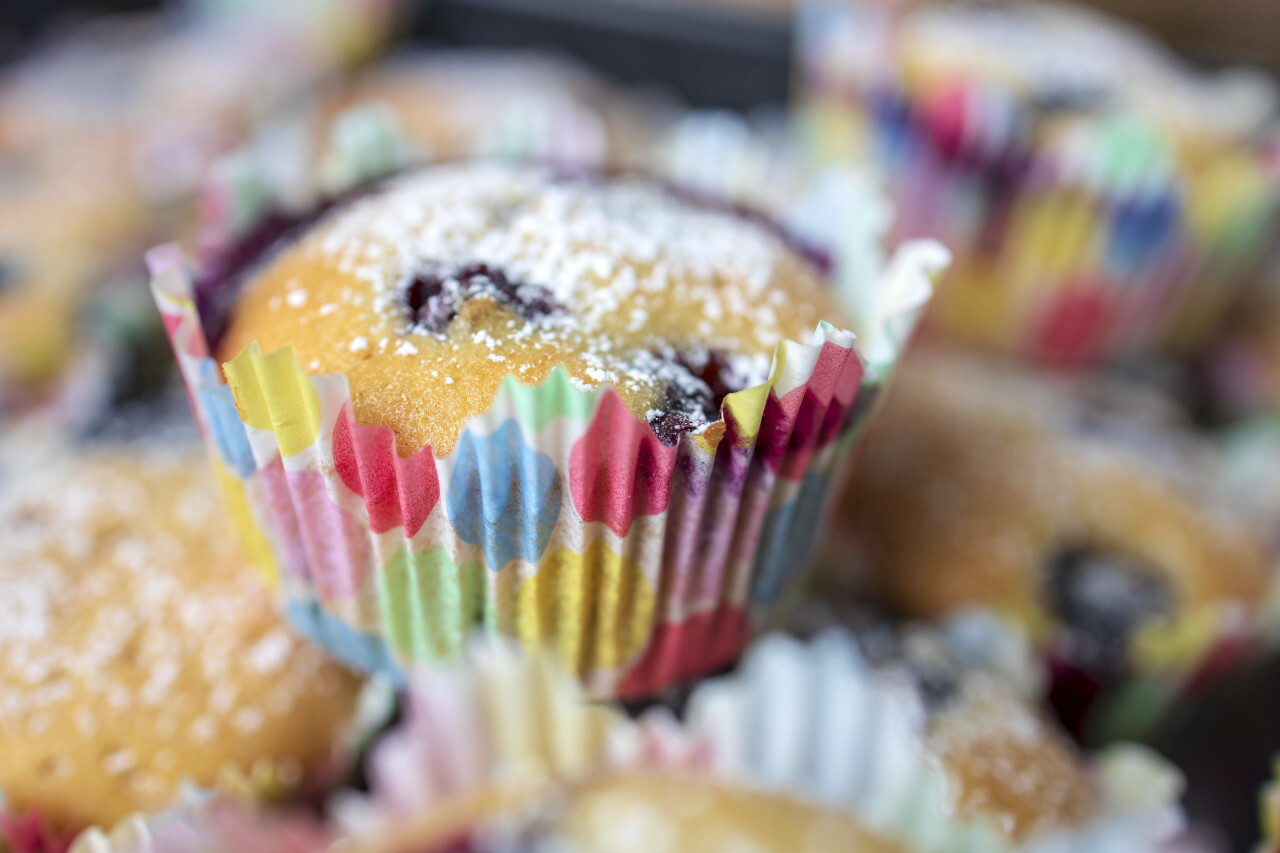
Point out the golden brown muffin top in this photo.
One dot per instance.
(645, 810)
(1012, 767)
(976, 476)
(454, 104)
(138, 650)
(429, 291)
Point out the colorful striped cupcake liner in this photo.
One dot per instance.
(559, 518)
(1081, 242)
(812, 720)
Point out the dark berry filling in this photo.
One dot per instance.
(1103, 599)
(923, 655)
(697, 384)
(223, 272)
(432, 297)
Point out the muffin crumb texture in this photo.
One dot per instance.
(137, 649)
(1011, 768)
(427, 292)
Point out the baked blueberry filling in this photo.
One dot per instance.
(697, 384)
(223, 272)
(432, 297)
(1102, 599)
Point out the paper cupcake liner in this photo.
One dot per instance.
(264, 781)
(559, 518)
(1079, 245)
(809, 721)
(812, 721)
(816, 719)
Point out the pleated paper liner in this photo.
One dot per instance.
(815, 718)
(559, 518)
(814, 722)
(1269, 812)
(1080, 269)
(1077, 240)
(810, 721)
(264, 782)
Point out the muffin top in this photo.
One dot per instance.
(430, 289)
(1010, 766)
(1067, 58)
(1079, 505)
(452, 104)
(137, 649)
(640, 810)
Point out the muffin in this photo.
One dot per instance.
(455, 104)
(807, 741)
(1077, 511)
(63, 228)
(636, 810)
(584, 411)
(1101, 197)
(808, 747)
(139, 653)
(156, 97)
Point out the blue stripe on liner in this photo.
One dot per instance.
(224, 421)
(354, 648)
(789, 539)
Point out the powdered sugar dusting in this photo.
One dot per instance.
(467, 273)
(595, 245)
(131, 632)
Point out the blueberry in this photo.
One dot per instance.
(433, 296)
(697, 384)
(222, 275)
(1102, 599)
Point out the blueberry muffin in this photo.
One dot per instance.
(636, 810)
(1076, 509)
(431, 289)
(814, 744)
(457, 104)
(1009, 765)
(138, 652)
(602, 413)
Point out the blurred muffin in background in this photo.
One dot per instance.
(456, 103)
(106, 131)
(1101, 197)
(1075, 509)
(66, 226)
(809, 746)
(137, 652)
(159, 97)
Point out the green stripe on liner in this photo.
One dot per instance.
(430, 604)
(556, 396)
